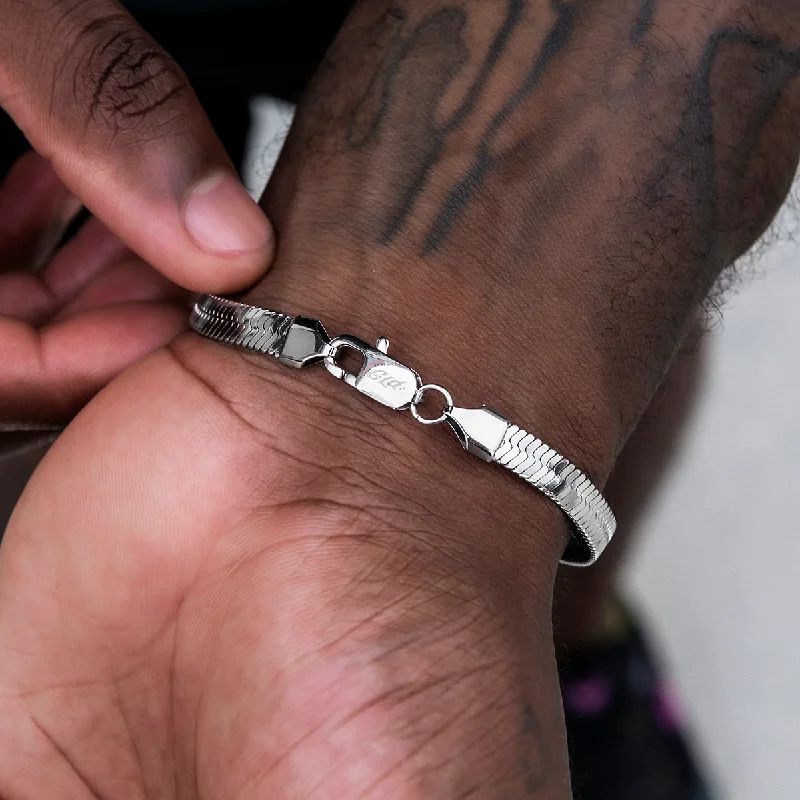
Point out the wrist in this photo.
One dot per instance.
(432, 566)
(344, 451)
(533, 362)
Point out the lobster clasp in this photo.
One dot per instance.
(382, 378)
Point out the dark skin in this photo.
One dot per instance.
(118, 121)
(532, 201)
(700, 171)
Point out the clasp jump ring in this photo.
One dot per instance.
(419, 395)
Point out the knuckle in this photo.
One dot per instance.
(120, 78)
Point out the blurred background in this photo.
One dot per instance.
(714, 571)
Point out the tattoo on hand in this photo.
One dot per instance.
(702, 166)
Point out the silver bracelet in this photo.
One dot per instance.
(300, 342)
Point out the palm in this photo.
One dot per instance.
(184, 612)
(69, 323)
(113, 609)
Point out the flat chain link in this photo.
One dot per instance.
(562, 482)
(241, 325)
(420, 396)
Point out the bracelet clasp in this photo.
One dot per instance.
(381, 377)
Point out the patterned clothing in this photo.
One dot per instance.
(624, 725)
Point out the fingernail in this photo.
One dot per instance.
(223, 219)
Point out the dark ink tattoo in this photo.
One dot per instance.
(743, 76)
(496, 50)
(440, 38)
(429, 59)
(374, 103)
(463, 192)
(644, 19)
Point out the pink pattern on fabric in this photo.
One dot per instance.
(589, 696)
(667, 707)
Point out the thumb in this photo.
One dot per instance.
(118, 120)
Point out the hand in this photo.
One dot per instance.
(115, 116)
(228, 580)
(208, 592)
(70, 326)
